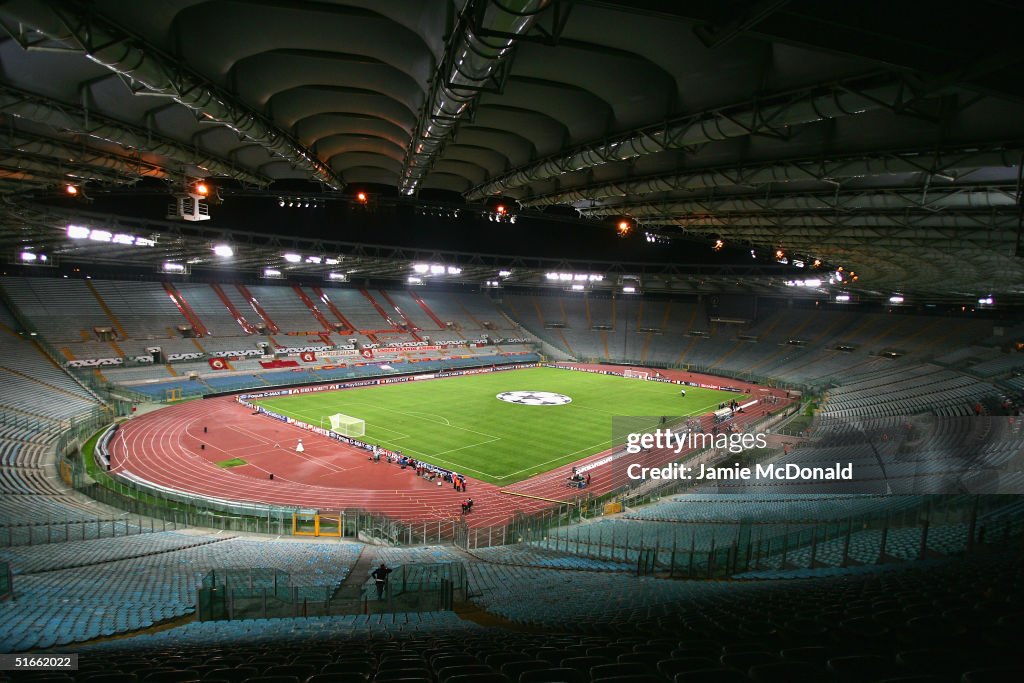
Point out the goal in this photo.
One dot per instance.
(346, 425)
(636, 374)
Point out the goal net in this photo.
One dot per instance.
(346, 425)
(636, 374)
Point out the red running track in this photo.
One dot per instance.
(177, 448)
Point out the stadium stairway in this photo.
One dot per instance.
(260, 311)
(246, 326)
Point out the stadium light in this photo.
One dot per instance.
(842, 298)
(169, 267)
(718, 245)
(624, 227)
(504, 273)
(421, 268)
(413, 280)
(223, 250)
(896, 299)
(986, 300)
(436, 269)
(200, 188)
(271, 273)
(629, 289)
(78, 232)
(292, 258)
(71, 190)
(28, 257)
(337, 277)
(100, 235)
(454, 270)
(578, 288)
(362, 197)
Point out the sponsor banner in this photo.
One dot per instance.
(96, 362)
(339, 353)
(620, 373)
(307, 333)
(397, 347)
(296, 350)
(195, 355)
(273, 364)
(703, 385)
(237, 354)
(367, 353)
(217, 363)
(308, 357)
(143, 359)
(269, 413)
(374, 381)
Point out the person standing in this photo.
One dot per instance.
(380, 579)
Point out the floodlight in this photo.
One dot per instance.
(223, 250)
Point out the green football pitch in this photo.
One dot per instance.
(459, 423)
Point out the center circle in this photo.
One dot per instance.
(534, 398)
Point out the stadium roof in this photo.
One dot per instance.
(886, 137)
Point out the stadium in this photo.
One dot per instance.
(525, 341)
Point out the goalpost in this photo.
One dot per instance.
(346, 425)
(636, 374)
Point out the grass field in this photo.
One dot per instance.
(458, 423)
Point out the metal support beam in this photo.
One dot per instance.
(772, 116)
(67, 117)
(843, 204)
(77, 156)
(471, 64)
(948, 164)
(146, 71)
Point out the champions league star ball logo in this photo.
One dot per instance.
(534, 398)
